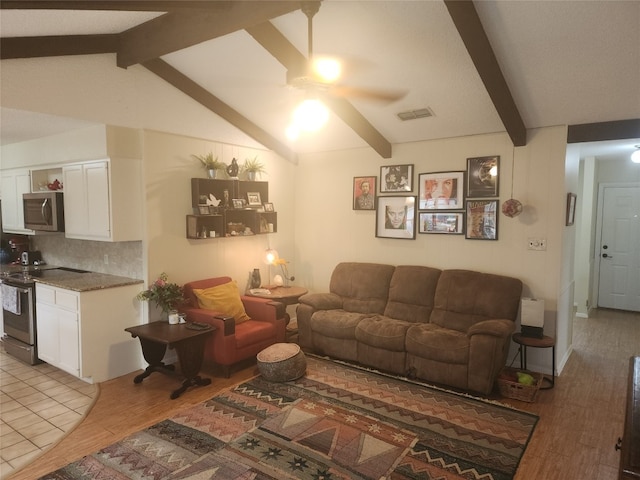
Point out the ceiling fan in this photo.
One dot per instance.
(319, 75)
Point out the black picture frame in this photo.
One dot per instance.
(268, 207)
(396, 178)
(482, 219)
(364, 200)
(483, 177)
(239, 203)
(395, 217)
(441, 223)
(441, 190)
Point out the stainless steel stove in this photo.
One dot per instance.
(19, 309)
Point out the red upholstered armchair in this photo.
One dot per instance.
(231, 342)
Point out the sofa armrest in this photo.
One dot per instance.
(257, 308)
(227, 325)
(263, 309)
(322, 301)
(496, 327)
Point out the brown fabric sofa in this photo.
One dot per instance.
(451, 327)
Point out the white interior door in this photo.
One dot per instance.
(619, 281)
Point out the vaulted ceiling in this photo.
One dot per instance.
(478, 67)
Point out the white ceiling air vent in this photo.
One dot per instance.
(415, 114)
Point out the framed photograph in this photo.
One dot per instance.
(571, 208)
(268, 207)
(396, 178)
(396, 217)
(482, 220)
(238, 202)
(451, 223)
(482, 176)
(253, 199)
(441, 190)
(364, 193)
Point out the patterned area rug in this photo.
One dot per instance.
(336, 422)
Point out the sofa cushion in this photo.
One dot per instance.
(433, 342)
(223, 298)
(382, 332)
(464, 298)
(336, 323)
(364, 287)
(411, 293)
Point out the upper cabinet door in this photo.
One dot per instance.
(14, 184)
(102, 200)
(76, 217)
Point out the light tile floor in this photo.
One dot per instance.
(38, 405)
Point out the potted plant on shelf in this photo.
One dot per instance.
(252, 167)
(210, 163)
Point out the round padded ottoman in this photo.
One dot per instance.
(282, 362)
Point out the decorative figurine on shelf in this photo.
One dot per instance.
(233, 169)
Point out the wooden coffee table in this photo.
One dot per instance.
(155, 337)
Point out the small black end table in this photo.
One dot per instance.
(544, 342)
(155, 337)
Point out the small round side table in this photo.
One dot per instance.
(544, 342)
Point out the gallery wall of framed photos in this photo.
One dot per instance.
(456, 202)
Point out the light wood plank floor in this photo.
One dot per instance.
(580, 419)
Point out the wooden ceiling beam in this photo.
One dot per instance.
(466, 19)
(217, 106)
(603, 131)
(291, 58)
(175, 31)
(122, 5)
(54, 46)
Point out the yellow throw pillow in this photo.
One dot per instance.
(223, 298)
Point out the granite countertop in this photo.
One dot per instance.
(84, 282)
(69, 280)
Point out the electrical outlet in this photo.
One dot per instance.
(106, 259)
(537, 243)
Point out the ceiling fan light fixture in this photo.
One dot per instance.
(635, 156)
(326, 69)
(311, 115)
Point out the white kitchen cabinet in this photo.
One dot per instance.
(103, 200)
(83, 332)
(58, 329)
(15, 182)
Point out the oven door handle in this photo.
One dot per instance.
(21, 290)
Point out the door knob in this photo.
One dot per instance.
(604, 255)
(619, 444)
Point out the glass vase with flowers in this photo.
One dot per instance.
(167, 296)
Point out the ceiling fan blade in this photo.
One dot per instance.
(368, 93)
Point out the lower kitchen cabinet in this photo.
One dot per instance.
(58, 337)
(83, 333)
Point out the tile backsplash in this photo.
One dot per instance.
(124, 258)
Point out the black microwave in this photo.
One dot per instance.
(44, 211)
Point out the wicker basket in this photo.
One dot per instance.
(518, 391)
